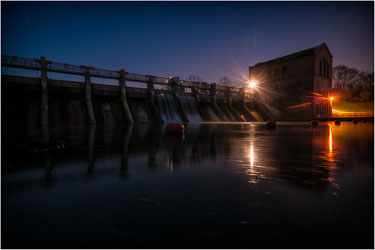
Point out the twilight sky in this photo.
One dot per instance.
(208, 39)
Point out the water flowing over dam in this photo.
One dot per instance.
(190, 108)
(168, 108)
(54, 99)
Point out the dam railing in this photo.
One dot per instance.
(66, 68)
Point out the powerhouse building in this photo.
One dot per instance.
(296, 86)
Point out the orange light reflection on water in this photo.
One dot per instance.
(330, 139)
(251, 155)
(254, 172)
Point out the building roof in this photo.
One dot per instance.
(302, 53)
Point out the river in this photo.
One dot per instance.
(221, 185)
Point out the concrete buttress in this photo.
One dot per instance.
(125, 106)
(88, 96)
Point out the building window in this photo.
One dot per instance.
(284, 72)
(320, 67)
(269, 74)
(324, 67)
(277, 74)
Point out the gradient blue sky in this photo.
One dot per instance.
(209, 39)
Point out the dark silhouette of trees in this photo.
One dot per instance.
(193, 78)
(350, 84)
(225, 81)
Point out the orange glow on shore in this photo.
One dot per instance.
(342, 114)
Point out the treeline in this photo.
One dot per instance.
(224, 81)
(353, 85)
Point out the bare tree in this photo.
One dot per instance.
(366, 79)
(225, 81)
(366, 84)
(344, 77)
(193, 78)
(353, 85)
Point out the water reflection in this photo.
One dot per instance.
(50, 172)
(297, 154)
(251, 155)
(330, 139)
(90, 156)
(45, 133)
(218, 179)
(124, 156)
(302, 155)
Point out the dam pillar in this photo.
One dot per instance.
(215, 108)
(44, 91)
(246, 112)
(90, 108)
(213, 93)
(174, 83)
(151, 96)
(151, 89)
(125, 107)
(195, 92)
(228, 95)
(242, 96)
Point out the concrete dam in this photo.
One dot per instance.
(33, 97)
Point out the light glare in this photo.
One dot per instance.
(252, 84)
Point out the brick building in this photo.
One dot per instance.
(297, 85)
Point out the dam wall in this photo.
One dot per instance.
(43, 100)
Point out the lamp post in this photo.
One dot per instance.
(331, 101)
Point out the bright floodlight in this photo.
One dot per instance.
(331, 98)
(252, 84)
